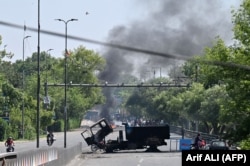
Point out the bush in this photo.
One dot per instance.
(58, 126)
(4, 128)
(30, 133)
(73, 123)
(245, 144)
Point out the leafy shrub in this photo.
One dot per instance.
(58, 126)
(73, 123)
(245, 144)
(30, 133)
(4, 128)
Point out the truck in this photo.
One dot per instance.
(136, 137)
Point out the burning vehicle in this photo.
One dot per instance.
(140, 137)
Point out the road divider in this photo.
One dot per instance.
(43, 156)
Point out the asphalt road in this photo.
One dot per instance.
(128, 158)
(73, 137)
(167, 157)
(121, 158)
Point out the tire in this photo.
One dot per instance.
(10, 149)
(109, 150)
(94, 148)
(50, 141)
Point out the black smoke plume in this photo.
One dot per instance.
(182, 27)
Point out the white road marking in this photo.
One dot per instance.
(141, 160)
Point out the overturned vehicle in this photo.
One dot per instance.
(143, 137)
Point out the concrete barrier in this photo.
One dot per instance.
(30, 158)
(41, 157)
(65, 155)
(7, 157)
(174, 145)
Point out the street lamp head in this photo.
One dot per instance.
(73, 19)
(26, 37)
(49, 49)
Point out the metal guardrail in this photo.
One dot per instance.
(174, 143)
(192, 134)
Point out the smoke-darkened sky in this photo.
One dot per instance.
(182, 27)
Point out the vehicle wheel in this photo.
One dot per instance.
(109, 150)
(94, 148)
(9, 149)
(50, 142)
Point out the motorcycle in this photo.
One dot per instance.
(201, 145)
(192, 147)
(50, 140)
(10, 148)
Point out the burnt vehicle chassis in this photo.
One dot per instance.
(143, 137)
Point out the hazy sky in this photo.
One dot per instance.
(99, 24)
(103, 16)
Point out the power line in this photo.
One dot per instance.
(97, 42)
(133, 49)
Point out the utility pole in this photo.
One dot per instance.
(65, 79)
(23, 90)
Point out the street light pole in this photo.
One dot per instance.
(23, 90)
(38, 80)
(65, 78)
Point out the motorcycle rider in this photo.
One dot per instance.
(10, 143)
(197, 141)
(50, 135)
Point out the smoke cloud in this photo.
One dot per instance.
(183, 27)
